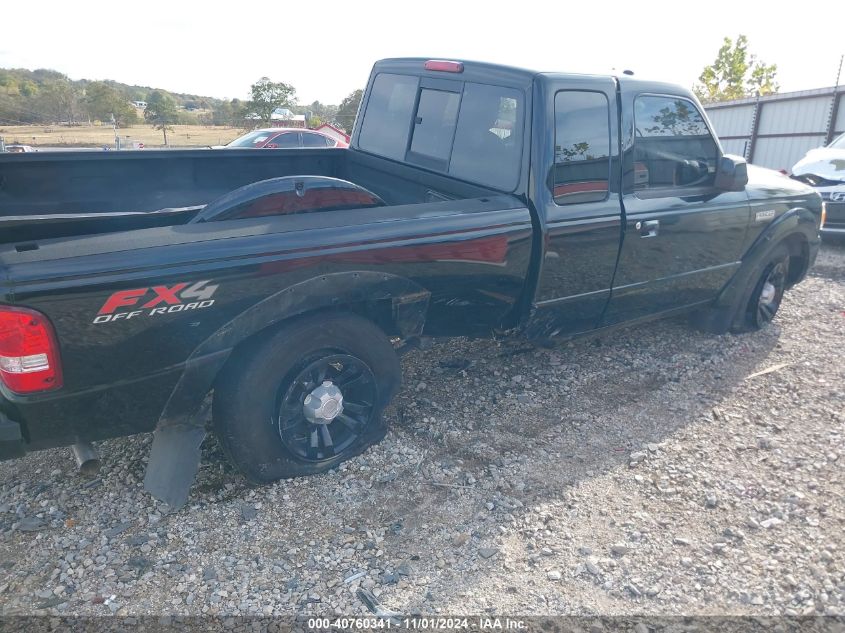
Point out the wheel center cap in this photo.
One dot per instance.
(329, 409)
(768, 293)
(323, 404)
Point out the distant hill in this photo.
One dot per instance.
(34, 97)
(48, 96)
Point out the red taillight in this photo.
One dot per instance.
(444, 66)
(29, 353)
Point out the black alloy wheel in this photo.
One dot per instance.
(328, 427)
(306, 396)
(769, 294)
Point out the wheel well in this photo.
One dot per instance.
(799, 257)
(378, 312)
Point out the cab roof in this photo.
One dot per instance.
(510, 75)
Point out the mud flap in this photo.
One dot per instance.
(175, 455)
(174, 462)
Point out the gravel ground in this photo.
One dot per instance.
(652, 471)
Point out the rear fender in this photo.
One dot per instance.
(180, 429)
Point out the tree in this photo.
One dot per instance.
(348, 110)
(27, 88)
(322, 111)
(735, 74)
(239, 112)
(60, 101)
(762, 80)
(103, 101)
(223, 114)
(161, 111)
(268, 95)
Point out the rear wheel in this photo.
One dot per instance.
(767, 293)
(307, 398)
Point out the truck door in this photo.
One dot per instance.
(576, 188)
(683, 237)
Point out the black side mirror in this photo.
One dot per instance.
(732, 173)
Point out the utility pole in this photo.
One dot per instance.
(834, 105)
(116, 136)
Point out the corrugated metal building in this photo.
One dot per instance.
(777, 130)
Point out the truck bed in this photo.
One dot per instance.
(50, 195)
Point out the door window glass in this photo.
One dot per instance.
(582, 147)
(314, 140)
(286, 140)
(672, 145)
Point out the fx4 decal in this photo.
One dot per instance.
(157, 300)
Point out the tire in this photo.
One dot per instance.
(766, 294)
(260, 400)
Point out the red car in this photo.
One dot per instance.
(284, 137)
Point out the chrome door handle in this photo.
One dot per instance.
(649, 228)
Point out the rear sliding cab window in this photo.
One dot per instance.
(384, 130)
(434, 126)
(582, 147)
(673, 148)
(474, 134)
(488, 140)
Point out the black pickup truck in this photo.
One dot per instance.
(475, 200)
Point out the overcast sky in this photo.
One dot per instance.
(325, 49)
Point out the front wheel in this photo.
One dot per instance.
(307, 398)
(767, 294)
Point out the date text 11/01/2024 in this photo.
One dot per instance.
(417, 623)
